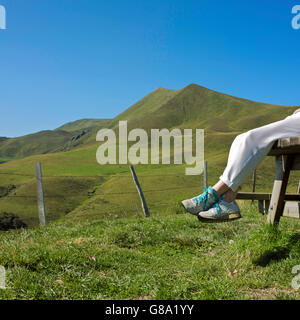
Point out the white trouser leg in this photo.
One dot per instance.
(249, 149)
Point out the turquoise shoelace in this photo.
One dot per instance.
(204, 196)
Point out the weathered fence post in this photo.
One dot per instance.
(254, 181)
(205, 175)
(254, 185)
(40, 194)
(2, 277)
(140, 191)
(298, 191)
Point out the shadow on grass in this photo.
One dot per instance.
(277, 253)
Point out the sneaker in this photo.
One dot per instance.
(221, 211)
(200, 203)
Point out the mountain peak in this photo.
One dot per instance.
(161, 89)
(195, 86)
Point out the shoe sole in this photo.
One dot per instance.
(232, 217)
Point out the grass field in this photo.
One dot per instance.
(170, 255)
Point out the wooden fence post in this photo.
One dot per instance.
(205, 175)
(40, 194)
(140, 191)
(254, 185)
(298, 191)
(254, 181)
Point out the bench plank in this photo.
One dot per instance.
(265, 196)
(288, 142)
(286, 146)
(284, 151)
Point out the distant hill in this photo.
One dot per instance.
(83, 124)
(38, 143)
(64, 138)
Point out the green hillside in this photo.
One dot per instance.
(146, 106)
(60, 139)
(192, 107)
(83, 124)
(77, 187)
(199, 107)
(64, 138)
(38, 143)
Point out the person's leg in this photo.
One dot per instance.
(250, 148)
(246, 152)
(221, 188)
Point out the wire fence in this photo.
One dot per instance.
(67, 197)
(96, 176)
(187, 188)
(89, 176)
(141, 176)
(13, 194)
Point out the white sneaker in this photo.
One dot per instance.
(203, 202)
(221, 211)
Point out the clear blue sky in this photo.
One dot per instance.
(63, 60)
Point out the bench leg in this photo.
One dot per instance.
(267, 206)
(261, 207)
(283, 168)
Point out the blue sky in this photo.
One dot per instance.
(63, 60)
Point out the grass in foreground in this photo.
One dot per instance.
(167, 256)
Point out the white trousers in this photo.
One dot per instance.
(249, 149)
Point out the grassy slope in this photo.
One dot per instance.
(146, 106)
(198, 107)
(222, 116)
(38, 143)
(82, 124)
(167, 256)
(49, 140)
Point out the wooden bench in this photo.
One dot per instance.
(278, 203)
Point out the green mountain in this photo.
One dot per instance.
(198, 107)
(77, 187)
(192, 107)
